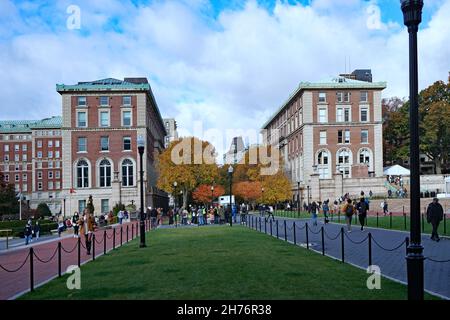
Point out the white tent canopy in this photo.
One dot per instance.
(396, 170)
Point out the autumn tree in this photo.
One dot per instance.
(205, 195)
(190, 162)
(249, 191)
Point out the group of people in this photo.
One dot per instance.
(203, 215)
(31, 230)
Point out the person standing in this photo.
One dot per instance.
(37, 229)
(200, 217)
(435, 214)
(326, 209)
(86, 224)
(385, 207)
(348, 210)
(362, 208)
(60, 225)
(28, 233)
(120, 215)
(271, 214)
(76, 227)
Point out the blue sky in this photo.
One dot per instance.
(229, 64)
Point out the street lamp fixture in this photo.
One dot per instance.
(412, 14)
(141, 147)
(212, 196)
(230, 173)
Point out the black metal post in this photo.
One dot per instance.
(285, 231)
(31, 269)
(390, 220)
(323, 241)
(377, 219)
(412, 13)
(307, 236)
(445, 223)
(277, 230)
(342, 245)
(114, 238)
(59, 259)
(104, 242)
(423, 223)
(298, 199)
(260, 224)
(141, 174)
(407, 244)
(127, 234)
(93, 246)
(404, 219)
(79, 252)
(295, 235)
(121, 235)
(265, 225)
(270, 227)
(370, 249)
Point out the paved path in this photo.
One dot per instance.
(15, 283)
(392, 263)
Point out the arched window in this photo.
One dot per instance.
(344, 162)
(105, 173)
(82, 174)
(364, 156)
(127, 173)
(323, 164)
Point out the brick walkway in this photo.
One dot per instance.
(392, 263)
(18, 282)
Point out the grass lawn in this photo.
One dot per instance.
(217, 263)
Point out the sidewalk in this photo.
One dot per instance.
(17, 259)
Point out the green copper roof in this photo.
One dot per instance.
(333, 83)
(108, 84)
(25, 126)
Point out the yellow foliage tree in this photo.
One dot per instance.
(189, 162)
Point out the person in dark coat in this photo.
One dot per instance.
(435, 214)
(28, 233)
(362, 208)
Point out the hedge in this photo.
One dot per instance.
(18, 227)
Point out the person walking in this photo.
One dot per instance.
(348, 210)
(28, 233)
(435, 214)
(37, 229)
(326, 209)
(60, 225)
(271, 214)
(200, 217)
(314, 212)
(385, 207)
(153, 217)
(362, 209)
(120, 215)
(86, 224)
(76, 227)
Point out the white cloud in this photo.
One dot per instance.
(232, 74)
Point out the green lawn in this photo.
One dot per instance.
(217, 263)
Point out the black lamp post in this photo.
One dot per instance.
(230, 173)
(308, 195)
(412, 14)
(298, 198)
(212, 196)
(141, 147)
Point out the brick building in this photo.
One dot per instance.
(330, 137)
(102, 121)
(30, 158)
(171, 129)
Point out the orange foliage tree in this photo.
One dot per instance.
(250, 191)
(204, 194)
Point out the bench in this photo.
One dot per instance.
(54, 231)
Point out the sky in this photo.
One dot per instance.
(226, 64)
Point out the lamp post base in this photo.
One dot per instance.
(414, 265)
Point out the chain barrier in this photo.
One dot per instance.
(330, 238)
(98, 242)
(109, 237)
(356, 242)
(76, 245)
(393, 249)
(300, 228)
(438, 261)
(310, 229)
(47, 261)
(15, 270)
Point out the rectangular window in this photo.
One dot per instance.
(322, 97)
(50, 185)
(57, 174)
(340, 136)
(104, 119)
(343, 96)
(323, 137)
(39, 143)
(6, 157)
(364, 96)
(57, 185)
(39, 185)
(347, 115)
(339, 115)
(126, 118)
(57, 164)
(82, 101)
(347, 136)
(16, 147)
(24, 157)
(50, 143)
(82, 119)
(126, 101)
(81, 205)
(24, 147)
(82, 144)
(127, 143)
(39, 175)
(323, 115)
(16, 177)
(364, 136)
(364, 115)
(50, 174)
(104, 143)
(57, 154)
(39, 154)
(57, 144)
(105, 205)
(7, 177)
(6, 148)
(50, 154)
(24, 188)
(16, 158)
(50, 164)
(17, 167)
(104, 101)
(24, 177)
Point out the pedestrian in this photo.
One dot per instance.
(120, 215)
(362, 208)
(60, 225)
(370, 194)
(200, 217)
(326, 209)
(314, 209)
(28, 233)
(271, 213)
(348, 210)
(170, 214)
(153, 217)
(86, 223)
(385, 207)
(76, 227)
(37, 229)
(435, 214)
